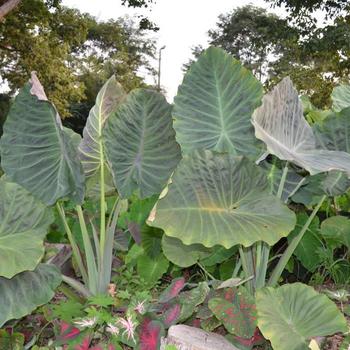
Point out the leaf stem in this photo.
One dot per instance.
(89, 253)
(277, 272)
(248, 267)
(74, 245)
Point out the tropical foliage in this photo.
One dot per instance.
(216, 176)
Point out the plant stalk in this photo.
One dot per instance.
(277, 272)
(89, 253)
(74, 245)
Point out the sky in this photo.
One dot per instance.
(183, 24)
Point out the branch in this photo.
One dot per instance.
(7, 7)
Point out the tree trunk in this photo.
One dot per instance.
(7, 7)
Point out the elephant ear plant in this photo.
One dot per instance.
(219, 196)
(128, 140)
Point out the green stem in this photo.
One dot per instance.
(206, 272)
(263, 249)
(76, 285)
(237, 268)
(277, 272)
(89, 253)
(282, 182)
(75, 248)
(247, 265)
(102, 207)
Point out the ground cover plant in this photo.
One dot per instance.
(229, 193)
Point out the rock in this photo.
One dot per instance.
(191, 338)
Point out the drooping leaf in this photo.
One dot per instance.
(91, 146)
(181, 254)
(140, 144)
(337, 228)
(289, 316)
(280, 123)
(24, 292)
(172, 290)
(214, 105)
(24, 221)
(218, 255)
(150, 335)
(151, 270)
(341, 97)
(307, 249)
(36, 152)
(221, 200)
(238, 315)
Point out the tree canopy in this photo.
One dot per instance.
(316, 58)
(67, 49)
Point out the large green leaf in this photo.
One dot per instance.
(214, 105)
(181, 254)
(140, 144)
(151, 270)
(26, 291)
(337, 229)
(23, 225)
(341, 97)
(310, 244)
(91, 146)
(219, 199)
(334, 134)
(289, 316)
(280, 123)
(36, 152)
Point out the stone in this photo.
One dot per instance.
(191, 338)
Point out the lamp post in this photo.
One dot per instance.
(159, 65)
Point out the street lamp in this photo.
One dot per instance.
(159, 65)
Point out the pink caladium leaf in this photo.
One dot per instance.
(238, 315)
(171, 315)
(256, 339)
(84, 345)
(67, 332)
(173, 290)
(150, 334)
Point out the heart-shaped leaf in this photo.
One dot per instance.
(289, 316)
(337, 228)
(150, 335)
(140, 144)
(173, 290)
(280, 123)
(341, 97)
(237, 315)
(181, 254)
(36, 151)
(221, 200)
(24, 292)
(91, 147)
(214, 105)
(23, 225)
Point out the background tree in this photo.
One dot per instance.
(71, 51)
(316, 58)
